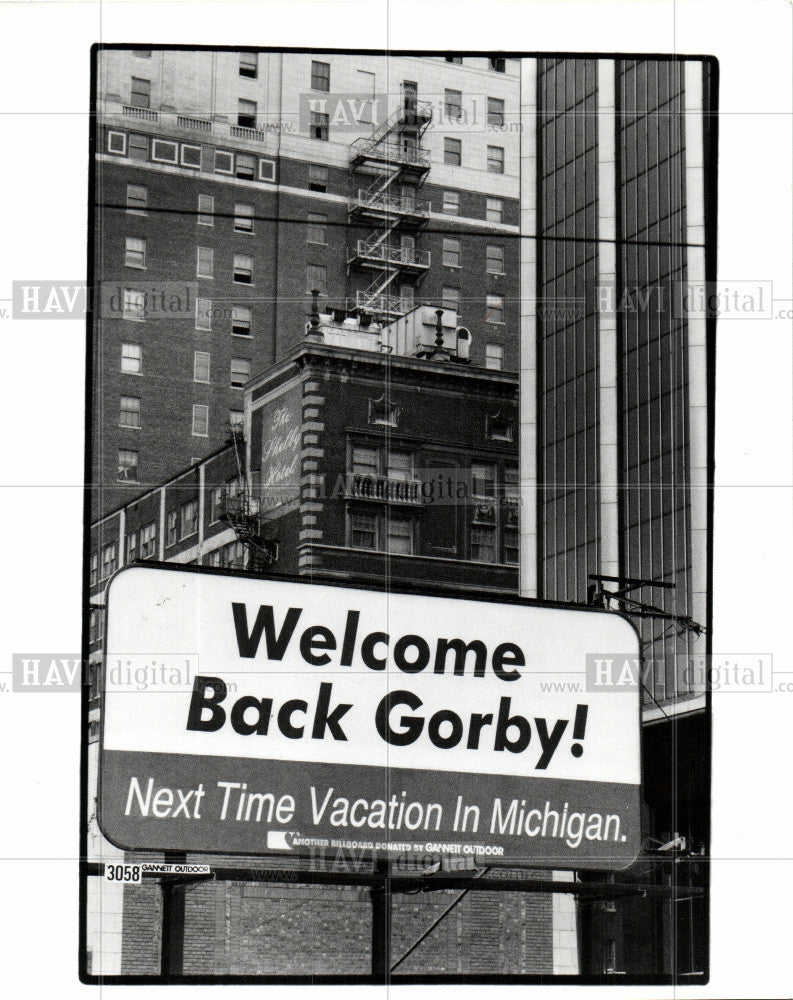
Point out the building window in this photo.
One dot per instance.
(138, 146)
(495, 210)
(131, 359)
(240, 372)
(137, 199)
(127, 464)
(483, 544)
(483, 480)
(132, 546)
(383, 413)
(317, 177)
(495, 260)
(320, 75)
(399, 536)
(246, 113)
(94, 578)
(164, 152)
(315, 231)
(495, 111)
(495, 159)
(498, 65)
(108, 560)
(117, 143)
(494, 356)
(140, 92)
(407, 297)
(453, 105)
(203, 315)
(365, 461)
(454, 59)
(320, 124)
(451, 202)
(148, 540)
(172, 528)
(452, 151)
(363, 531)
(201, 365)
(243, 269)
(189, 518)
(200, 420)
(134, 305)
(206, 210)
(245, 167)
(205, 262)
(142, 53)
(191, 156)
(135, 252)
(249, 64)
(452, 256)
(316, 278)
(243, 218)
(236, 420)
(511, 546)
(230, 556)
(129, 412)
(224, 162)
(267, 170)
(240, 321)
(494, 311)
(451, 298)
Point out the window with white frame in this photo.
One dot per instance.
(267, 170)
(240, 372)
(94, 573)
(132, 546)
(164, 152)
(451, 203)
(495, 259)
(200, 420)
(203, 315)
(205, 262)
(134, 305)
(452, 254)
(224, 161)
(494, 211)
(494, 356)
(243, 269)
(315, 230)
(201, 366)
(241, 321)
(243, 218)
(108, 560)
(131, 359)
(494, 309)
(117, 143)
(127, 464)
(363, 531)
(206, 210)
(135, 252)
(495, 159)
(137, 199)
(129, 412)
(399, 532)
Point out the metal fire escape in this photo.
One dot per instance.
(395, 165)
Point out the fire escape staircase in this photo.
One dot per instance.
(394, 155)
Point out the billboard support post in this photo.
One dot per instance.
(173, 914)
(381, 923)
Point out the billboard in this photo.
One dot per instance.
(326, 718)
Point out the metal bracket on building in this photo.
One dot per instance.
(599, 597)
